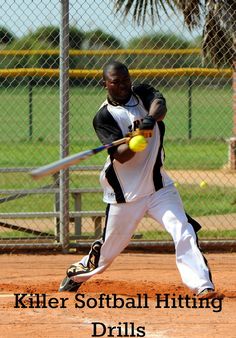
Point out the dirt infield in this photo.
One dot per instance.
(140, 284)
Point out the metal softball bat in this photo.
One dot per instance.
(68, 161)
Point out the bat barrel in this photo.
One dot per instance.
(68, 161)
(64, 163)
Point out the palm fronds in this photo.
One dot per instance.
(217, 19)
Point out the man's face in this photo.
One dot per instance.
(118, 85)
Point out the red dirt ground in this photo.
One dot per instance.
(129, 275)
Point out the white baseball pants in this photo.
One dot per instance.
(165, 206)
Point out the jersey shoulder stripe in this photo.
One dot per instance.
(114, 183)
(106, 127)
(157, 177)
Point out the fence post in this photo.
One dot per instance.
(56, 206)
(30, 88)
(64, 124)
(190, 83)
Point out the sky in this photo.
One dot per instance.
(23, 16)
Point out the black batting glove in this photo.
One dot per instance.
(148, 123)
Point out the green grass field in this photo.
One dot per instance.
(211, 126)
(203, 234)
(145, 235)
(198, 202)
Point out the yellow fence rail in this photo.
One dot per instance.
(97, 73)
(76, 52)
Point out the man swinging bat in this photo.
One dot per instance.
(135, 183)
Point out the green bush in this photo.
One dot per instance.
(6, 37)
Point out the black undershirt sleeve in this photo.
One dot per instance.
(147, 94)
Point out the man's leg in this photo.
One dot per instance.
(166, 207)
(121, 222)
(87, 263)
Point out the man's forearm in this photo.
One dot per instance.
(123, 153)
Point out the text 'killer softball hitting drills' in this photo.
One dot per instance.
(140, 301)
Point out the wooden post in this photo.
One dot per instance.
(78, 207)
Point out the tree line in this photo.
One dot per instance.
(49, 38)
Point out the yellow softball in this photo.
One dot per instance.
(203, 184)
(138, 143)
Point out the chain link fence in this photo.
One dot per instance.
(34, 96)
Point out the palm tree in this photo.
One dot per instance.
(216, 17)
